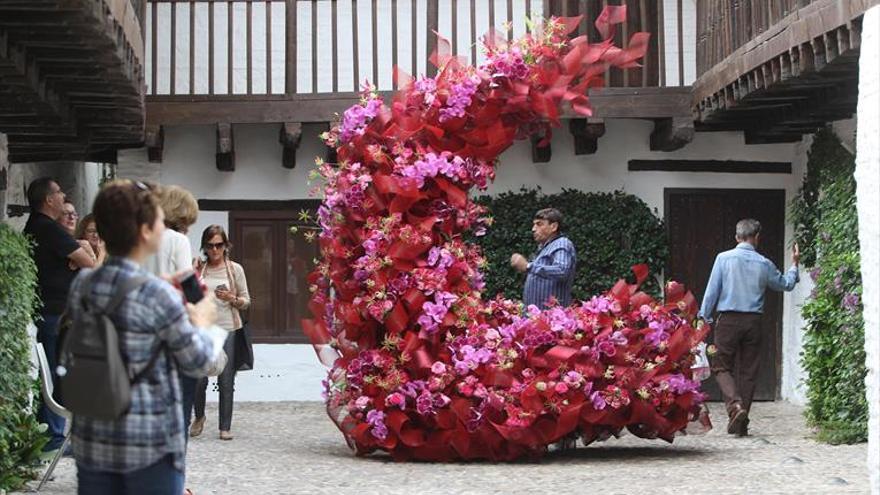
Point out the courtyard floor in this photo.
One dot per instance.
(293, 448)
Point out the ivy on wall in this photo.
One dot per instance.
(611, 232)
(826, 227)
(21, 437)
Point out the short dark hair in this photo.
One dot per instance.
(551, 215)
(38, 191)
(120, 209)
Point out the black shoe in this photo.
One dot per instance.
(744, 429)
(738, 418)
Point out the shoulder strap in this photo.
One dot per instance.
(130, 285)
(152, 362)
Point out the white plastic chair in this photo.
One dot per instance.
(46, 388)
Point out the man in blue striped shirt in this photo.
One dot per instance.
(550, 274)
(736, 291)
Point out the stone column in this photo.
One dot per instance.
(868, 199)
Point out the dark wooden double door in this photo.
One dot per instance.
(277, 251)
(700, 224)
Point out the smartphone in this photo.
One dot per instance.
(221, 287)
(192, 289)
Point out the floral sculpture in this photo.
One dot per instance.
(421, 365)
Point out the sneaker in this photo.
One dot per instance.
(197, 426)
(226, 435)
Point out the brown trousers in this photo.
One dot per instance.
(737, 360)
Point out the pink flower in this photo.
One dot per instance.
(396, 399)
(561, 388)
(438, 368)
(362, 402)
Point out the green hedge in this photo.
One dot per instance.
(611, 231)
(21, 437)
(826, 225)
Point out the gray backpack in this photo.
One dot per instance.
(95, 380)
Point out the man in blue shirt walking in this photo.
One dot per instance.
(736, 292)
(550, 274)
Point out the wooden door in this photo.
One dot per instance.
(277, 250)
(700, 224)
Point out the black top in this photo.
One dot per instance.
(52, 246)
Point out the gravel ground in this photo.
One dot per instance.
(293, 448)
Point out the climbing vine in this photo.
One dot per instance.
(826, 227)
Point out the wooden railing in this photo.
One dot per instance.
(236, 48)
(725, 25)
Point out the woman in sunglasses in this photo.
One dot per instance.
(226, 279)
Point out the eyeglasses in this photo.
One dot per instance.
(215, 245)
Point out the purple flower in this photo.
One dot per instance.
(598, 400)
(376, 419)
(851, 302)
(435, 311)
(425, 403)
(680, 384)
(815, 272)
(459, 98)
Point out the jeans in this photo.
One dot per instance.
(188, 391)
(47, 334)
(161, 478)
(225, 385)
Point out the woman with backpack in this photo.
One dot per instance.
(226, 279)
(138, 447)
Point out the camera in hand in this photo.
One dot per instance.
(192, 289)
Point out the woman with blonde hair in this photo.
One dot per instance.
(226, 279)
(175, 253)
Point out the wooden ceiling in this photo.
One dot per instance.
(777, 69)
(71, 78)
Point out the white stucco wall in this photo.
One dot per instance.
(291, 372)
(868, 191)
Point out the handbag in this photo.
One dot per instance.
(243, 354)
(244, 349)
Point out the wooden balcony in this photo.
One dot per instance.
(295, 61)
(776, 69)
(71, 78)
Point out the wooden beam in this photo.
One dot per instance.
(586, 134)
(540, 154)
(103, 156)
(154, 139)
(290, 137)
(672, 133)
(715, 166)
(644, 103)
(225, 148)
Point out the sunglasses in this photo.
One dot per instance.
(215, 245)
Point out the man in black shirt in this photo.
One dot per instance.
(54, 252)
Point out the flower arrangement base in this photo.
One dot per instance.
(421, 366)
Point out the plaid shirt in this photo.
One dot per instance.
(551, 273)
(150, 318)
